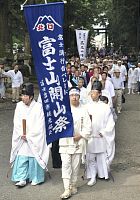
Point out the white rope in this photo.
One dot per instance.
(21, 6)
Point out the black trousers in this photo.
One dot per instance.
(56, 159)
(138, 86)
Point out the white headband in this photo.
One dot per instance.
(74, 91)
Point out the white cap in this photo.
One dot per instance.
(117, 70)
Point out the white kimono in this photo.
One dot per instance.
(102, 122)
(35, 133)
(132, 78)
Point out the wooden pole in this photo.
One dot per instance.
(24, 126)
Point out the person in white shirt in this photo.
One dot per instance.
(118, 87)
(17, 81)
(72, 148)
(123, 71)
(83, 91)
(102, 137)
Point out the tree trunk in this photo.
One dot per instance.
(27, 44)
(138, 27)
(5, 39)
(27, 52)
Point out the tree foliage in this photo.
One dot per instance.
(122, 15)
(123, 21)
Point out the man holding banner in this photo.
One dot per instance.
(45, 26)
(72, 148)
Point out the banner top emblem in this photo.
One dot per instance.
(45, 23)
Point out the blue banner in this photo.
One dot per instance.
(45, 26)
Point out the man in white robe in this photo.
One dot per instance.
(102, 137)
(29, 153)
(72, 148)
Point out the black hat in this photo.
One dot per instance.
(97, 85)
(81, 77)
(28, 89)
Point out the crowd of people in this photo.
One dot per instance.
(96, 91)
(115, 74)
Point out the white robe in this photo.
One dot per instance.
(102, 122)
(83, 95)
(35, 133)
(132, 77)
(110, 88)
(106, 93)
(82, 126)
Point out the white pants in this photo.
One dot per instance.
(118, 99)
(70, 167)
(97, 164)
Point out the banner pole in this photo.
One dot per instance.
(21, 6)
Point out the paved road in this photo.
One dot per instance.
(125, 168)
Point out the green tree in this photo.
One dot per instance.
(123, 17)
(124, 23)
(5, 38)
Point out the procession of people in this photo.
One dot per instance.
(96, 91)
